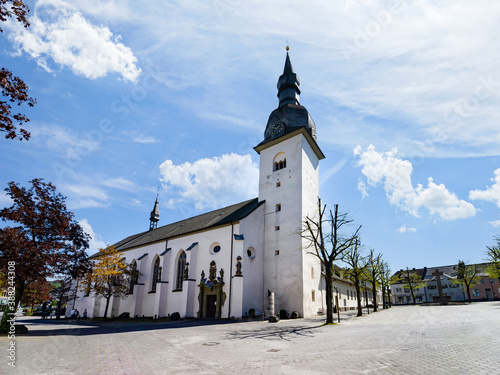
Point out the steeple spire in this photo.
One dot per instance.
(154, 217)
(288, 84)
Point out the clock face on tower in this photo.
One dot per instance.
(277, 128)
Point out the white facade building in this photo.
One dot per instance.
(240, 259)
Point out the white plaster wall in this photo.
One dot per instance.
(252, 228)
(285, 274)
(310, 194)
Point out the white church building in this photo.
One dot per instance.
(240, 259)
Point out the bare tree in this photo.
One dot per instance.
(385, 277)
(328, 243)
(373, 267)
(357, 263)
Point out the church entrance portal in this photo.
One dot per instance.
(211, 297)
(211, 306)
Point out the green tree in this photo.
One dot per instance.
(43, 241)
(327, 242)
(410, 280)
(493, 254)
(357, 263)
(110, 276)
(468, 275)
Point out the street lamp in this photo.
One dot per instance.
(337, 303)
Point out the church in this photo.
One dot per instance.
(244, 259)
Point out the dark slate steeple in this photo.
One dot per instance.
(154, 217)
(288, 84)
(290, 115)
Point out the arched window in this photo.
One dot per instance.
(181, 264)
(133, 276)
(156, 274)
(279, 161)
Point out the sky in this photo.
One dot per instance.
(139, 97)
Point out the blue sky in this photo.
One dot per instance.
(136, 95)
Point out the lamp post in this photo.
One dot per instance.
(337, 303)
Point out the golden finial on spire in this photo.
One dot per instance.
(287, 45)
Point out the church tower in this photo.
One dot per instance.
(154, 217)
(289, 185)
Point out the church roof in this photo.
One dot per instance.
(222, 216)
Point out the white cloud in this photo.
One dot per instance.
(211, 182)
(491, 194)
(144, 139)
(120, 183)
(96, 241)
(73, 145)
(61, 33)
(395, 174)
(85, 196)
(405, 229)
(494, 223)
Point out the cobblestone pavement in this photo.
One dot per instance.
(460, 339)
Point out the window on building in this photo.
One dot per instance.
(276, 252)
(475, 292)
(251, 253)
(483, 281)
(278, 184)
(133, 276)
(492, 281)
(279, 161)
(277, 227)
(312, 272)
(278, 207)
(181, 264)
(313, 295)
(156, 274)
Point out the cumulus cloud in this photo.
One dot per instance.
(405, 229)
(96, 241)
(395, 175)
(491, 194)
(211, 182)
(59, 32)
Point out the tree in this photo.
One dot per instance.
(36, 294)
(64, 292)
(328, 243)
(410, 280)
(494, 259)
(373, 268)
(467, 275)
(385, 283)
(13, 88)
(46, 241)
(110, 276)
(357, 263)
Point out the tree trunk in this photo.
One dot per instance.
(358, 296)
(389, 297)
(468, 293)
(374, 294)
(107, 305)
(10, 311)
(329, 294)
(383, 296)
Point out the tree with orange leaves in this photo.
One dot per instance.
(111, 276)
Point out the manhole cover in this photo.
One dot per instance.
(211, 343)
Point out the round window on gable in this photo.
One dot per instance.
(251, 253)
(215, 248)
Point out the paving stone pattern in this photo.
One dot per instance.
(461, 339)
